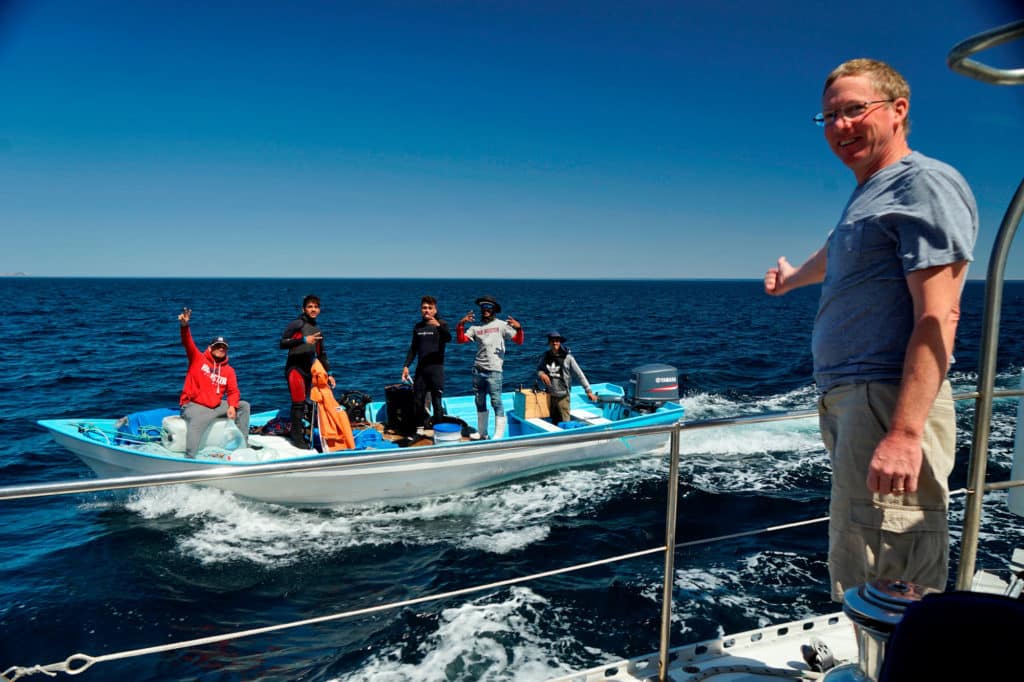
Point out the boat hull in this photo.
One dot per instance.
(424, 476)
(395, 474)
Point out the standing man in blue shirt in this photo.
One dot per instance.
(891, 272)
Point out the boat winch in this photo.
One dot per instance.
(875, 609)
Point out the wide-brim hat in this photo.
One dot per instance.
(490, 300)
(219, 341)
(554, 335)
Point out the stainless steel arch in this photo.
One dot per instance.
(959, 62)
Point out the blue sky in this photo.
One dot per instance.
(463, 139)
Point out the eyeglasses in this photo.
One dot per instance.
(486, 306)
(847, 111)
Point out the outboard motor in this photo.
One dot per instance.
(875, 609)
(651, 386)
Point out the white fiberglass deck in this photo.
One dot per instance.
(742, 657)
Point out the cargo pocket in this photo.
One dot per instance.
(904, 543)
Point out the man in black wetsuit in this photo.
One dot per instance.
(429, 337)
(305, 343)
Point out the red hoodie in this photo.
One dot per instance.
(207, 380)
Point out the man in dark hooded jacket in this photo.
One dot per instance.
(555, 369)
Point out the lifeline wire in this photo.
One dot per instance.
(85, 661)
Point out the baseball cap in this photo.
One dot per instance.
(489, 301)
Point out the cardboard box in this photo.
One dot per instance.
(529, 404)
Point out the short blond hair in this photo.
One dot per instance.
(885, 79)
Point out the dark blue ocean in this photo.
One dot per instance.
(102, 573)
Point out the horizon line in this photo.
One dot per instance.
(21, 275)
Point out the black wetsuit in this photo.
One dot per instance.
(301, 354)
(427, 347)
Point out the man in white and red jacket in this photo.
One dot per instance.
(210, 390)
(490, 336)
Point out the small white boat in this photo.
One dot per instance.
(423, 467)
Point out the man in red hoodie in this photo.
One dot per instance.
(211, 388)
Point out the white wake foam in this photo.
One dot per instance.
(511, 636)
(213, 526)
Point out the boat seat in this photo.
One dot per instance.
(542, 424)
(589, 416)
(978, 635)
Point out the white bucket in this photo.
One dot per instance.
(173, 434)
(222, 433)
(446, 434)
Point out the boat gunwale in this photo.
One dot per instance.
(203, 471)
(588, 433)
(224, 470)
(71, 428)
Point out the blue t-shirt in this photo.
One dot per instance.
(914, 214)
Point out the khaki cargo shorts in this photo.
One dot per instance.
(873, 536)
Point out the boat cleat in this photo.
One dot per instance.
(818, 656)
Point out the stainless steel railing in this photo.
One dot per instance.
(674, 432)
(959, 62)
